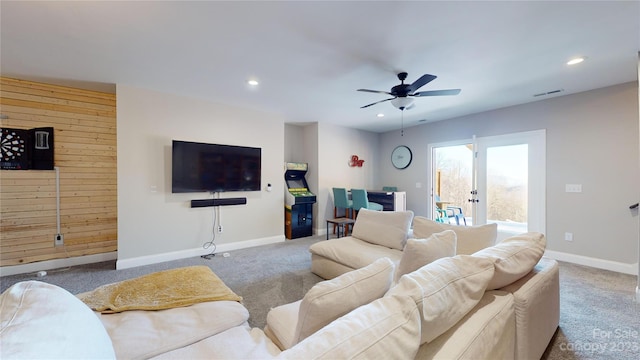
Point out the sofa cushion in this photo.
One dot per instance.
(387, 328)
(445, 290)
(353, 252)
(488, 331)
(514, 257)
(420, 252)
(386, 228)
(238, 342)
(330, 299)
(470, 238)
(40, 320)
(142, 334)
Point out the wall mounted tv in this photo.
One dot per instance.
(198, 167)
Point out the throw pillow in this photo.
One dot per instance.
(40, 320)
(514, 257)
(386, 228)
(387, 328)
(420, 252)
(445, 291)
(330, 299)
(470, 238)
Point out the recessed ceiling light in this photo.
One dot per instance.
(577, 60)
(380, 115)
(253, 82)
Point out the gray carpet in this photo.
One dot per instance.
(598, 316)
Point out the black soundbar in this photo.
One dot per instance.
(218, 202)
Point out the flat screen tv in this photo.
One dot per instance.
(198, 167)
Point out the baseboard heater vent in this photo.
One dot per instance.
(218, 202)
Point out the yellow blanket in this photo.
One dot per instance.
(161, 290)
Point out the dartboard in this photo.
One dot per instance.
(13, 148)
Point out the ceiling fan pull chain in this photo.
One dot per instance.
(401, 122)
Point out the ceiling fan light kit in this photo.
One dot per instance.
(403, 94)
(402, 103)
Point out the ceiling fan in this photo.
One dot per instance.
(403, 94)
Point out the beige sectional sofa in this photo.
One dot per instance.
(498, 303)
(516, 316)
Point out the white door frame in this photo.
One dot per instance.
(537, 178)
(536, 209)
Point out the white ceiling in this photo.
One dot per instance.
(310, 57)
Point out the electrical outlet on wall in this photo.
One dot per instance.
(58, 239)
(220, 228)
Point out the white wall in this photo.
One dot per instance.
(294, 145)
(592, 139)
(336, 145)
(154, 224)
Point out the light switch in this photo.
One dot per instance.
(574, 188)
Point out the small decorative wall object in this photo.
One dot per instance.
(23, 149)
(14, 146)
(355, 161)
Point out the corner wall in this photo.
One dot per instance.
(328, 149)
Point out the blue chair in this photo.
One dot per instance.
(445, 212)
(341, 201)
(360, 201)
(389, 188)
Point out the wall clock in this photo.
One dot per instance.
(401, 157)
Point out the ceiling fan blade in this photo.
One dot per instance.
(438, 92)
(377, 102)
(422, 81)
(375, 91)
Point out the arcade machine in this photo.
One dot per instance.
(298, 208)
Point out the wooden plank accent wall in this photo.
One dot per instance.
(84, 125)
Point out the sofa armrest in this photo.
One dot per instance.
(537, 306)
(281, 324)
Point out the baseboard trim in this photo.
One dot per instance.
(182, 254)
(624, 268)
(56, 263)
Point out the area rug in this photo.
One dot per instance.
(160, 290)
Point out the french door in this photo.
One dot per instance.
(496, 179)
